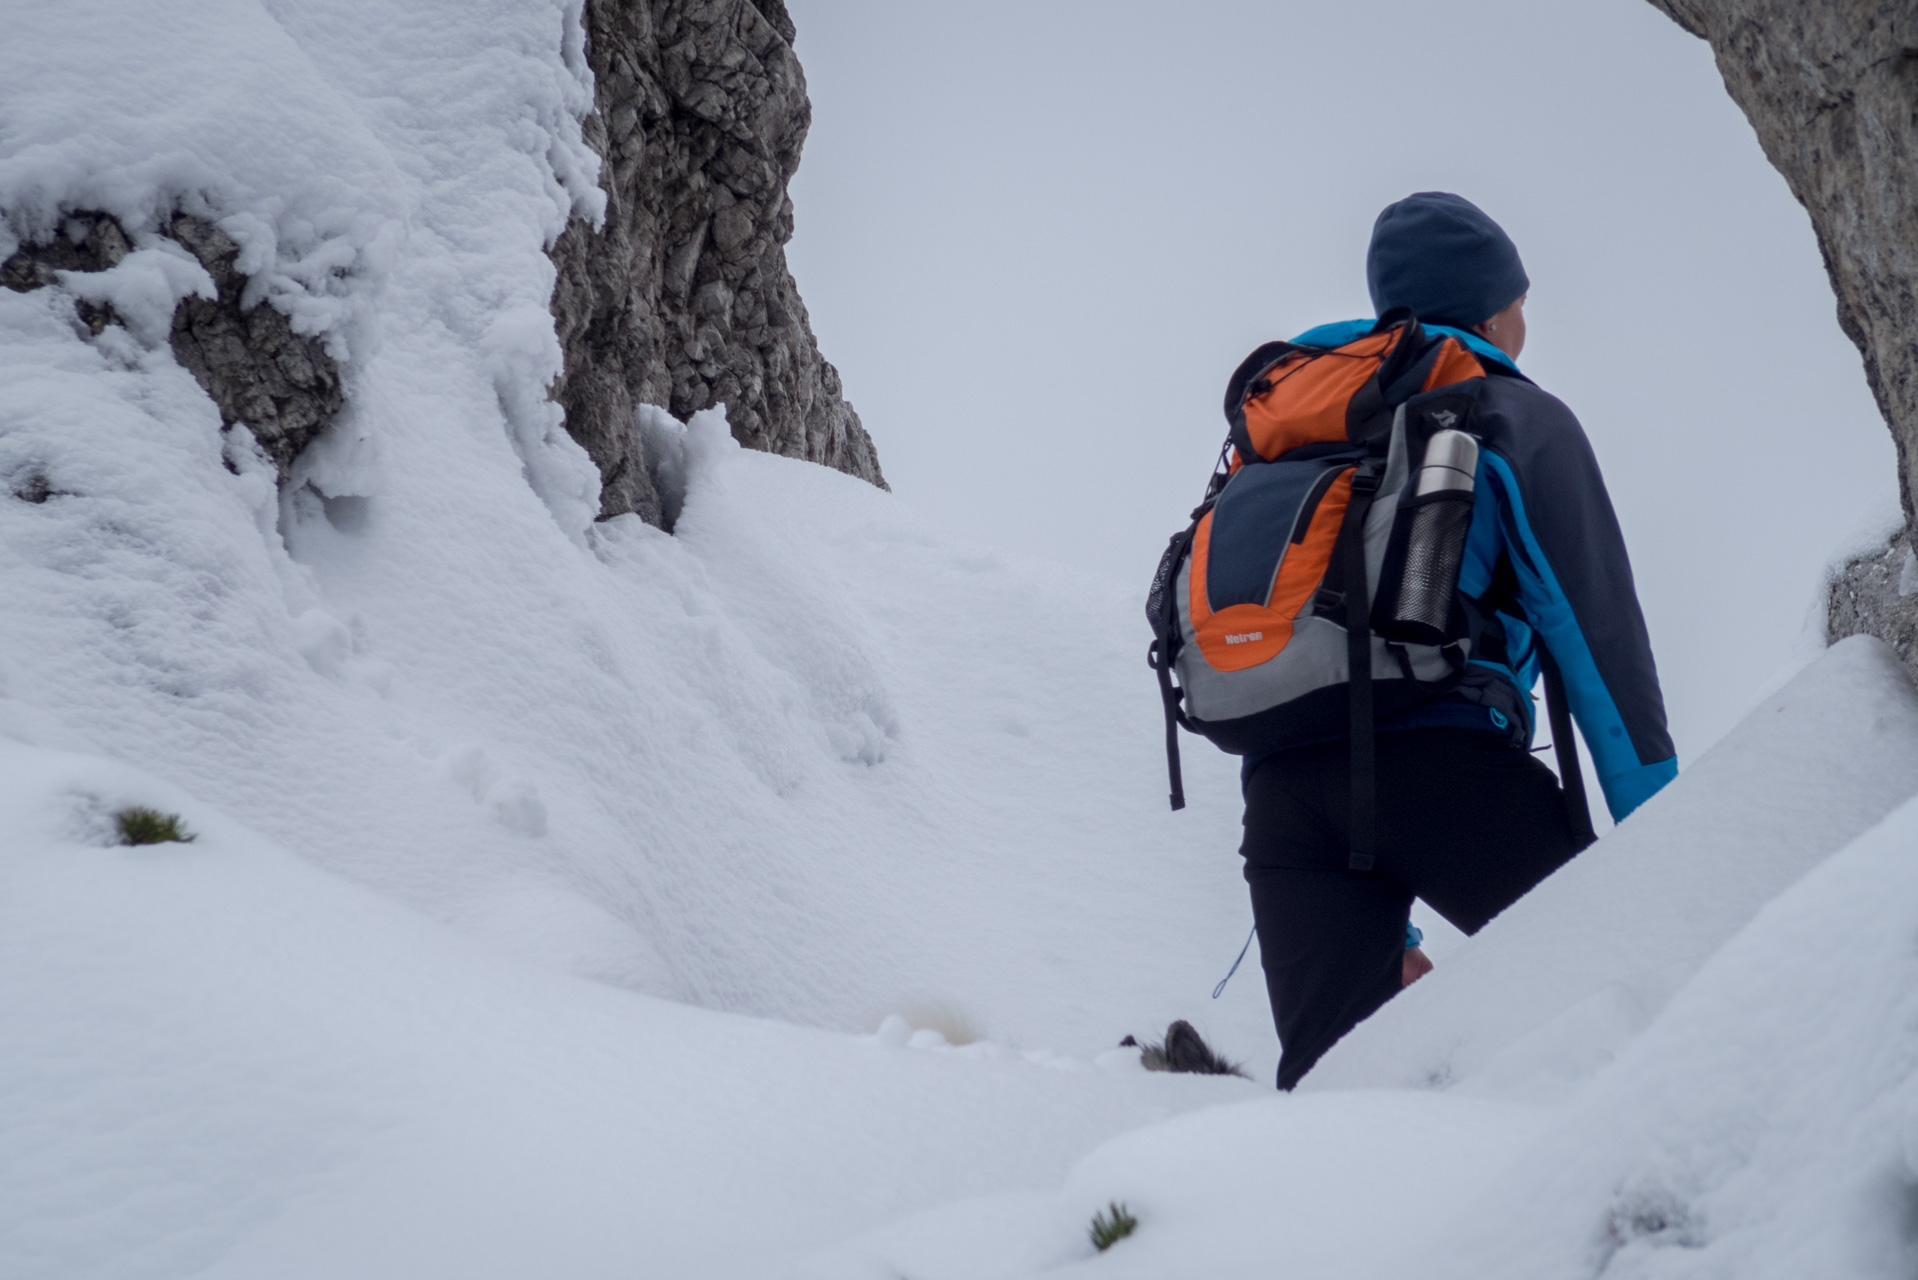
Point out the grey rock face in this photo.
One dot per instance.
(1831, 86)
(281, 385)
(1877, 595)
(683, 299)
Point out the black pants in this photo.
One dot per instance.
(1465, 821)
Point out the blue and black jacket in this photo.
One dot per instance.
(1547, 563)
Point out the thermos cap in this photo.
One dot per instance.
(1451, 461)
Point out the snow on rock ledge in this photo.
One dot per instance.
(183, 287)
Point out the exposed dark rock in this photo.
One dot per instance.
(36, 488)
(281, 385)
(101, 243)
(1831, 86)
(683, 299)
(1877, 595)
(1183, 1049)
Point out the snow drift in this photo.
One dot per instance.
(1553, 988)
(220, 1061)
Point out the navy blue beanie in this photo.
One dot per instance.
(1439, 254)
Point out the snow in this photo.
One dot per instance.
(683, 733)
(570, 898)
(1688, 1053)
(785, 762)
(1552, 988)
(1763, 1126)
(1321, 1186)
(221, 1061)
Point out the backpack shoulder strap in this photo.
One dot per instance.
(1363, 841)
(1399, 377)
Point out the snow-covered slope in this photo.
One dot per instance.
(220, 1061)
(1763, 1126)
(1549, 991)
(799, 759)
(787, 762)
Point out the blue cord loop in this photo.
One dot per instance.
(1236, 963)
(1413, 937)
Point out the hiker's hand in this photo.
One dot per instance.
(1417, 965)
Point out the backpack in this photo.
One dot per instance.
(1298, 604)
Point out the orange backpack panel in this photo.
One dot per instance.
(1306, 393)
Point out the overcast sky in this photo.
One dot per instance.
(1035, 237)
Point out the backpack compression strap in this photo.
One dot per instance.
(1358, 662)
(1578, 810)
(1169, 696)
(1368, 421)
(1162, 611)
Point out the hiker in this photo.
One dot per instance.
(1417, 779)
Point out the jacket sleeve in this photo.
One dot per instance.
(1575, 585)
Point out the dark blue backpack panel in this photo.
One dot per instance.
(1256, 515)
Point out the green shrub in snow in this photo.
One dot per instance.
(1111, 1225)
(141, 825)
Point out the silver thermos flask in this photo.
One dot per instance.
(1442, 493)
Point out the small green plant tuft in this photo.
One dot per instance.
(1111, 1225)
(141, 825)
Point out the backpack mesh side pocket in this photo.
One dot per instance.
(1418, 594)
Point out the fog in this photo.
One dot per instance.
(1035, 238)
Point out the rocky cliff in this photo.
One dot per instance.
(1831, 87)
(682, 298)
